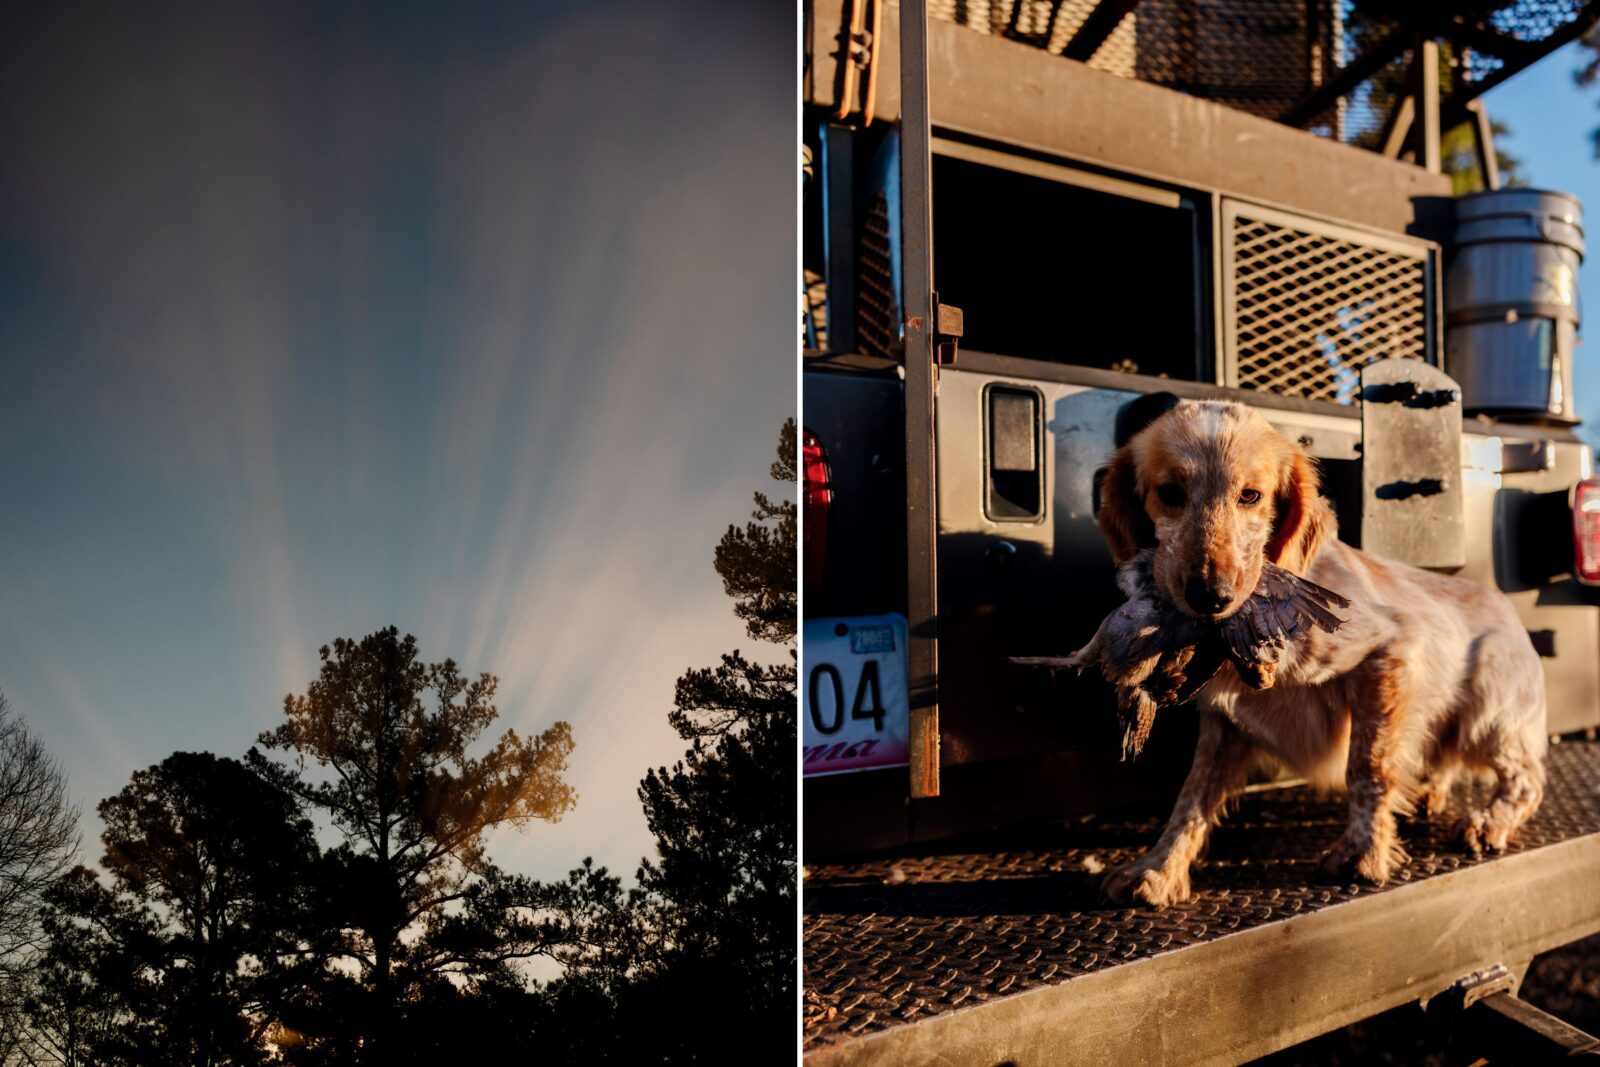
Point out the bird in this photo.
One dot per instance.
(1157, 656)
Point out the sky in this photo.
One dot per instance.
(313, 321)
(1550, 118)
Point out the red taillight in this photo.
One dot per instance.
(818, 497)
(1586, 531)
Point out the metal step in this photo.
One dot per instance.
(1007, 953)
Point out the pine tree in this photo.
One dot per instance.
(723, 883)
(413, 806)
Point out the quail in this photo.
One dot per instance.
(1157, 656)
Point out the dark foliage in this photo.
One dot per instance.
(187, 955)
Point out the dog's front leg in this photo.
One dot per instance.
(1370, 847)
(1161, 877)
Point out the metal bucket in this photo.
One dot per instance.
(1511, 303)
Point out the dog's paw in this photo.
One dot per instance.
(1476, 833)
(1148, 883)
(1352, 860)
(1432, 803)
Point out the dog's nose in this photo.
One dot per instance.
(1204, 598)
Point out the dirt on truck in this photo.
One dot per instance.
(1024, 225)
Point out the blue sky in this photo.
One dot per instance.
(313, 321)
(1550, 118)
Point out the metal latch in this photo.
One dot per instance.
(947, 332)
(1465, 992)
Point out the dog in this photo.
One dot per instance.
(1430, 676)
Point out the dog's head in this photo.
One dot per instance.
(1214, 489)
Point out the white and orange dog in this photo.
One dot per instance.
(1429, 676)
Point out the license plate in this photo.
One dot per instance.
(857, 714)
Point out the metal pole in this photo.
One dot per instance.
(1483, 138)
(921, 392)
(1428, 105)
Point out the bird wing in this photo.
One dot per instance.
(1283, 608)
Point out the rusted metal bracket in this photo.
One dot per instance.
(947, 332)
(1491, 1020)
(858, 53)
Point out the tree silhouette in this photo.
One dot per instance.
(412, 807)
(722, 887)
(38, 833)
(186, 956)
(74, 1013)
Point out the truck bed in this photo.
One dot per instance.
(1004, 952)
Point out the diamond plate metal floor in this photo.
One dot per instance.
(897, 940)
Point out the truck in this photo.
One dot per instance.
(1024, 223)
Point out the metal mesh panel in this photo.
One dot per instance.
(877, 331)
(814, 308)
(1307, 306)
(1045, 24)
(1258, 56)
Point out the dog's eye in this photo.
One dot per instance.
(1171, 495)
(1249, 496)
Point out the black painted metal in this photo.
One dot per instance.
(1511, 1030)
(1352, 75)
(1453, 109)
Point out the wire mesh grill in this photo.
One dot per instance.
(1306, 307)
(877, 326)
(1266, 56)
(1258, 56)
(1045, 24)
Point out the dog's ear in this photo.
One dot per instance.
(1301, 518)
(1123, 520)
(1140, 412)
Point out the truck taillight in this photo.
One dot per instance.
(818, 498)
(1586, 531)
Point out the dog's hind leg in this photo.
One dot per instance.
(1222, 759)
(1505, 733)
(1519, 786)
